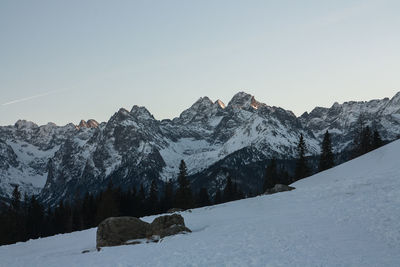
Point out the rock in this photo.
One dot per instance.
(116, 231)
(168, 225)
(174, 210)
(278, 188)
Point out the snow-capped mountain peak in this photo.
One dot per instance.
(141, 113)
(24, 124)
(201, 110)
(243, 100)
(82, 124)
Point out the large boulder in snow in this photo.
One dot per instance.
(168, 225)
(278, 188)
(116, 231)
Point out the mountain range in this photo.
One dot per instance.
(214, 139)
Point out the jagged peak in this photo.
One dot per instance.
(82, 124)
(123, 111)
(88, 124)
(141, 112)
(92, 123)
(335, 105)
(202, 108)
(201, 104)
(244, 100)
(121, 114)
(220, 104)
(24, 124)
(203, 101)
(304, 115)
(124, 116)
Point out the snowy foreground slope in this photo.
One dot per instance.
(346, 216)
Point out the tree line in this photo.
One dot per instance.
(26, 218)
(364, 141)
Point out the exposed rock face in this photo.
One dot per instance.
(278, 188)
(25, 150)
(116, 231)
(88, 124)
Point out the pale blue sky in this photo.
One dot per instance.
(72, 60)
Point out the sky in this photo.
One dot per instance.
(63, 61)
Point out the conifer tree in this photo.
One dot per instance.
(142, 194)
(3, 224)
(142, 209)
(153, 198)
(183, 196)
(60, 218)
(358, 133)
(377, 141)
(326, 159)
(34, 218)
(16, 231)
(88, 211)
(168, 195)
(284, 176)
(270, 176)
(218, 197)
(366, 140)
(237, 192)
(203, 198)
(228, 190)
(302, 169)
(108, 205)
(16, 199)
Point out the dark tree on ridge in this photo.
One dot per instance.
(302, 169)
(326, 160)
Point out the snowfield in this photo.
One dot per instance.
(346, 216)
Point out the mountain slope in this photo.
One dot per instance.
(25, 149)
(345, 216)
(342, 119)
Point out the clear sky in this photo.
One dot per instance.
(63, 61)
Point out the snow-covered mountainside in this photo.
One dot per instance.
(134, 148)
(25, 150)
(345, 216)
(341, 119)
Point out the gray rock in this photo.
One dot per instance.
(116, 231)
(174, 210)
(168, 225)
(278, 188)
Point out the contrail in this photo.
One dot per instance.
(31, 97)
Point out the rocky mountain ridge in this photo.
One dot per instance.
(133, 148)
